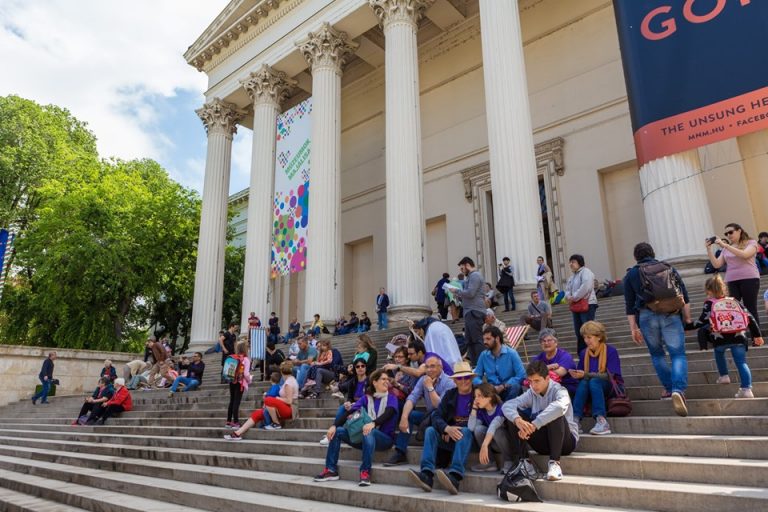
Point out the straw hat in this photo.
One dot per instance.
(462, 369)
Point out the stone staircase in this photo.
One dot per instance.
(168, 454)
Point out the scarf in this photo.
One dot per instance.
(602, 358)
(382, 404)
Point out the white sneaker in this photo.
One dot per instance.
(273, 426)
(724, 379)
(745, 393)
(338, 395)
(554, 473)
(324, 441)
(601, 428)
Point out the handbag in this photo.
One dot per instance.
(361, 417)
(517, 485)
(579, 306)
(618, 404)
(506, 283)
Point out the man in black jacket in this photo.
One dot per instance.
(46, 378)
(448, 432)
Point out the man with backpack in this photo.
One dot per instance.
(657, 307)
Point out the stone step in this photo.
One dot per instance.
(219, 488)
(685, 469)
(704, 407)
(86, 497)
(696, 378)
(698, 391)
(672, 426)
(12, 501)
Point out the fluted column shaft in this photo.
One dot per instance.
(676, 208)
(220, 119)
(267, 88)
(406, 232)
(326, 52)
(516, 206)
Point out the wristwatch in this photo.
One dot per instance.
(430, 390)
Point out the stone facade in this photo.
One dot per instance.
(468, 127)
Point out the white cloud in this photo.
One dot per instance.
(105, 61)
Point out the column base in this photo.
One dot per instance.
(688, 266)
(398, 315)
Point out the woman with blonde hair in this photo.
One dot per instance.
(598, 363)
(239, 386)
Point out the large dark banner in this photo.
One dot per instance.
(696, 71)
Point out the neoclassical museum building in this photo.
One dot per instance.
(442, 129)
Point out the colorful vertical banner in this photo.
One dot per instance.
(291, 204)
(696, 71)
(6, 243)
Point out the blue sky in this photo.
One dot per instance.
(119, 67)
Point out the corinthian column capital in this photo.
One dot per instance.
(268, 85)
(327, 48)
(403, 11)
(220, 116)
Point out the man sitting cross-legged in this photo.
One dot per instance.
(431, 388)
(550, 428)
(499, 365)
(449, 432)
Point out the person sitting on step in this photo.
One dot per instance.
(120, 402)
(274, 389)
(539, 314)
(487, 425)
(276, 409)
(722, 341)
(500, 365)
(101, 394)
(598, 364)
(402, 383)
(273, 358)
(352, 387)
(108, 371)
(430, 388)
(549, 428)
(373, 434)
(304, 359)
(194, 376)
(449, 432)
(557, 359)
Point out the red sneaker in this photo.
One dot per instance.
(365, 479)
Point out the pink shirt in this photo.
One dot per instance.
(739, 268)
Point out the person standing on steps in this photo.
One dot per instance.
(440, 298)
(657, 306)
(46, 379)
(506, 284)
(227, 342)
(580, 292)
(382, 306)
(473, 300)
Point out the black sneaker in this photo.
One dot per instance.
(326, 476)
(396, 459)
(365, 479)
(448, 481)
(422, 479)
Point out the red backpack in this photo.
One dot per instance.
(727, 316)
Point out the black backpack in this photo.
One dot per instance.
(517, 485)
(661, 287)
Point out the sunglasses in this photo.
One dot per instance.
(360, 366)
(465, 377)
(729, 233)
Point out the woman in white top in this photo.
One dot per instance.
(581, 286)
(276, 409)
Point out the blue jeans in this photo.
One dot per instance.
(580, 319)
(189, 383)
(594, 389)
(301, 374)
(376, 441)
(739, 353)
(339, 413)
(382, 319)
(43, 394)
(414, 419)
(511, 392)
(460, 449)
(509, 300)
(659, 330)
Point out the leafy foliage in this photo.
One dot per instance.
(107, 248)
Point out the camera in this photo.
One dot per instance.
(711, 239)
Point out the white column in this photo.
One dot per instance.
(676, 209)
(220, 119)
(267, 88)
(516, 206)
(326, 52)
(407, 284)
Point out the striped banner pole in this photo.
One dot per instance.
(258, 343)
(6, 245)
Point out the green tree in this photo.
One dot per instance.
(108, 251)
(234, 266)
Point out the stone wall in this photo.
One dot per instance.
(78, 370)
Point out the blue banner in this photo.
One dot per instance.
(696, 71)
